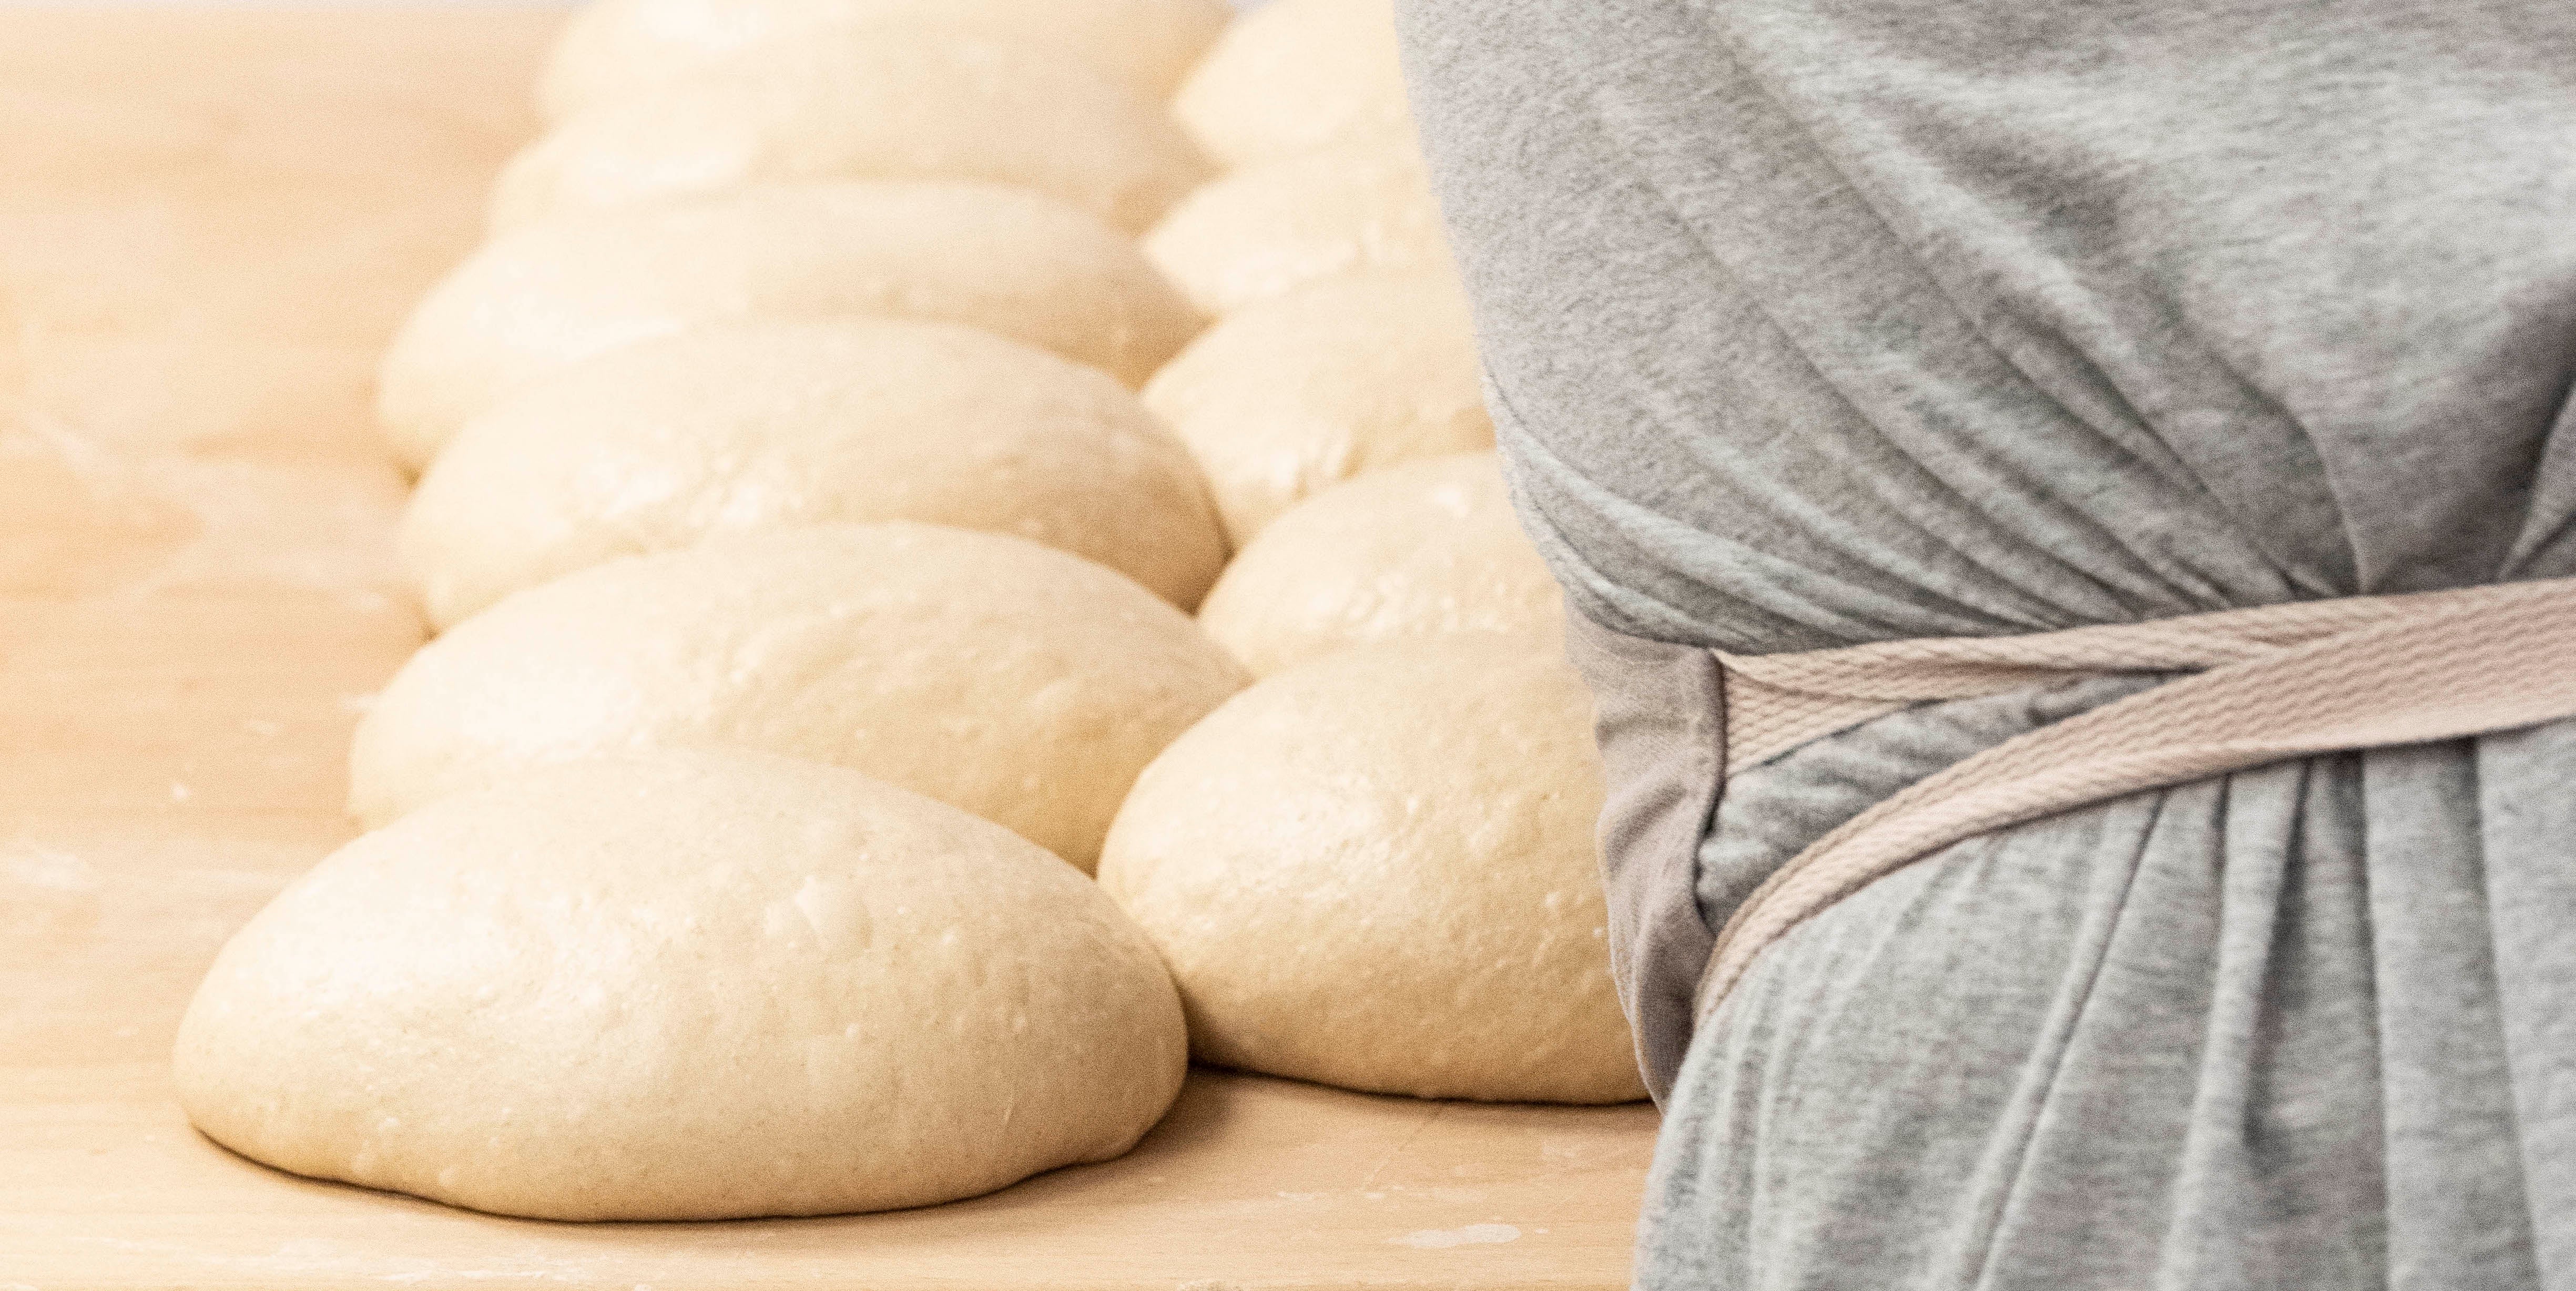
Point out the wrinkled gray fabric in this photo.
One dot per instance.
(1817, 322)
(1660, 719)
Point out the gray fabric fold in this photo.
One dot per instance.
(1659, 717)
(1816, 322)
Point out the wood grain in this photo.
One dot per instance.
(209, 224)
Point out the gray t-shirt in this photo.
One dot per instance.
(1816, 322)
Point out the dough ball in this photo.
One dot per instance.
(617, 48)
(1257, 233)
(889, 108)
(542, 297)
(1421, 550)
(690, 986)
(772, 425)
(1377, 871)
(1022, 684)
(1298, 394)
(1297, 75)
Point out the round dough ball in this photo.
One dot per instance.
(540, 298)
(1020, 683)
(617, 48)
(880, 109)
(1257, 233)
(1377, 871)
(692, 986)
(1298, 394)
(772, 425)
(1294, 76)
(1425, 549)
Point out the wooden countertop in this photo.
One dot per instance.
(210, 221)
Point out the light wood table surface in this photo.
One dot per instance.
(209, 223)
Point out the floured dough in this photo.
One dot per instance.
(891, 108)
(1420, 550)
(542, 297)
(1347, 376)
(1015, 681)
(1377, 871)
(690, 986)
(1262, 231)
(1294, 76)
(768, 425)
(615, 48)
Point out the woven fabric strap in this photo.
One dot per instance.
(2272, 683)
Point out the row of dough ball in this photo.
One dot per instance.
(923, 163)
(1017, 682)
(1296, 76)
(981, 101)
(756, 985)
(1038, 701)
(1290, 845)
(546, 295)
(1343, 372)
(764, 423)
(668, 402)
(536, 300)
(881, 107)
(593, 859)
(617, 48)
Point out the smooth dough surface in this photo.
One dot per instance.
(1344, 377)
(690, 986)
(615, 48)
(1421, 550)
(1265, 230)
(545, 296)
(1377, 871)
(772, 425)
(1294, 76)
(1015, 681)
(893, 108)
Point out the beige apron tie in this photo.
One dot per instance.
(2272, 683)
